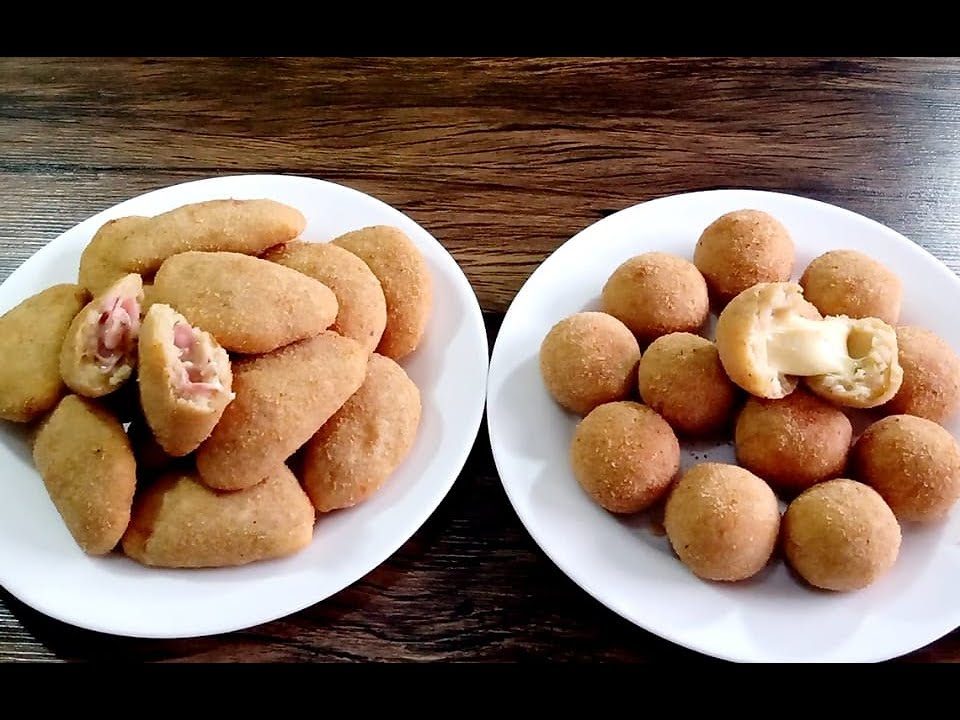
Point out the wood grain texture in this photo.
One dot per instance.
(502, 160)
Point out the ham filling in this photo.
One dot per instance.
(196, 376)
(115, 338)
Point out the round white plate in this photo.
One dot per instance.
(42, 566)
(630, 568)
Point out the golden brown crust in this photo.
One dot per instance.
(281, 400)
(249, 305)
(931, 376)
(100, 265)
(913, 463)
(722, 521)
(624, 456)
(362, 313)
(31, 335)
(589, 359)
(179, 522)
(356, 450)
(656, 293)
(681, 377)
(793, 442)
(743, 248)
(178, 424)
(840, 535)
(847, 282)
(89, 471)
(406, 282)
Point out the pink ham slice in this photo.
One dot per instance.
(117, 330)
(198, 375)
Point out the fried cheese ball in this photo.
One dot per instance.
(99, 352)
(931, 376)
(89, 471)
(793, 442)
(179, 522)
(847, 282)
(185, 380)
(722, 521)
(31, 335)
(406, 282)
(624, 456)
(740, 249)
(100, 265)
(589, 359)
(362, 313)
(681, 377)
(655, 294)
(913, 463)
(249, 305)
(356, 450)
(281, 400)
(840, 535)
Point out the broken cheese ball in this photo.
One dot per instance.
(769, 335)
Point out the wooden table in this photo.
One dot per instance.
(502, 160)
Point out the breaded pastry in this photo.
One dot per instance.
(624, 456)
(681, 377)
(847, 282)
(931, 376)
(241, 226)
(793, 442)
(151, 457)
(722, 521)
(840, 535)
(356, 450)
(100, 262)
(405, 278)
(740, 249)
(179, 522)
(89, 471)
(31, 335)
(184, 378)
(281, 401)
(362, 313)
(99, 353)
(913, 463)
(249, 305)
(589, 359)
(655, 294)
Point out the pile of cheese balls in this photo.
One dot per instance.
(787, 363)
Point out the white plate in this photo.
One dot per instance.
(626, 566)
(41, 565)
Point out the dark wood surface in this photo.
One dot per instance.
(502, 160)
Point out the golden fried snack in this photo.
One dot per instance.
(847, 282)
(405, 278)
(356, 450)
(151, 457)
(362, 311)
(793, 442)
(100, 262)
(722, 521)
(913, 463)
(931, 376)
(589, 359)
(184, 378)
(680, 376)
(743, 248)
(31, 335)
(89, 471)
(655, 294)
(840, 535)
(241, 226)
(99, 352)
(769, 335)
(624, 456)
(281, 401)
(249, 305)
(179, 522)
